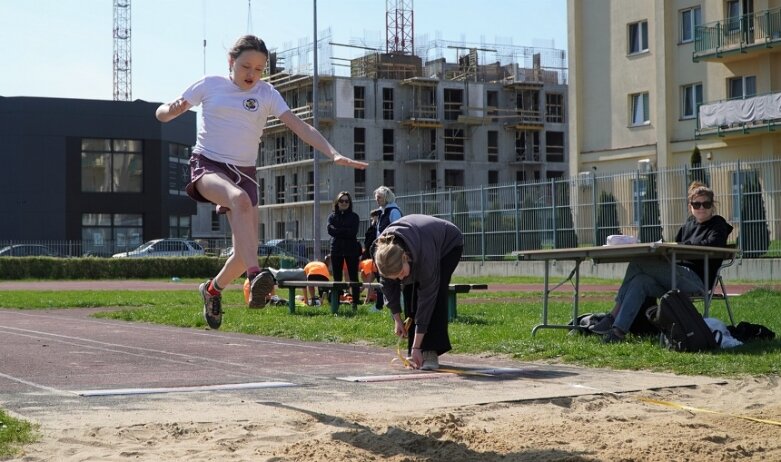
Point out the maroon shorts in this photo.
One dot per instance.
(200, 165)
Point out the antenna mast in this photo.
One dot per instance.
(123, 88)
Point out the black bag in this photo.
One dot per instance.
(682, 326)
(746, 332)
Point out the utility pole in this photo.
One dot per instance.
(315, 153)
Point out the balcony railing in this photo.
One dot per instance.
(738, 34)
(761, 112)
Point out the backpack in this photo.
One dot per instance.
(746, 332)
(682, 326)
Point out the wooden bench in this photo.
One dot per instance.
(337, 287)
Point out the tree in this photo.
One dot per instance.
(565, 228)
(698, 172)
(650, 223)
(607, 217)
(754, 232)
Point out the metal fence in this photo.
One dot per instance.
(583, 210)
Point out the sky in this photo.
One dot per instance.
(64, 48)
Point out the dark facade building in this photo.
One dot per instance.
(104, 174)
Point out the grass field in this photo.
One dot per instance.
(489, 323)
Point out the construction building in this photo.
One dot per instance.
(652, 80)
(488, 116)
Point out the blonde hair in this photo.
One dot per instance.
(388, 255)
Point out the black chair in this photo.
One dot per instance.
(717, 282)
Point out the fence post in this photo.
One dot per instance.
(516, 192)
(739, 208)
(553, 206)
(482, 222)
(594, 208)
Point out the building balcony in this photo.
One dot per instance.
(305, 113)
(524, 119)
(737, 117)
(425, 117)
(732, 39)
(422, 157)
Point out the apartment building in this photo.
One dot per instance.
(420, 126)
(650, 80)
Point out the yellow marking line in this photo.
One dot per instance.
(696, 409)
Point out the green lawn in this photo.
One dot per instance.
(14, 433)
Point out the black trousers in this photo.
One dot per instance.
(437, 337)
(337, 269)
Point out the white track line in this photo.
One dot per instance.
(148, 391)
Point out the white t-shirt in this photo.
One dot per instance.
(232, 119)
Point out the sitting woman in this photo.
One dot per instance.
(652, 278)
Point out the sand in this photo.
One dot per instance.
(602, 427)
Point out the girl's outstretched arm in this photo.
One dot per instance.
(314, 138)
(169, 111)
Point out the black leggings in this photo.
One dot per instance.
(337, 265)
(437, 337)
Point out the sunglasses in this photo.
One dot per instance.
(347, 201)
(696, 205)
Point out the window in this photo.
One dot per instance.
(178, 168)
(261, 191)
(742, 87)
(389, 178)
(690, 19)
(432, 179)
(179, 226)
(359, 102)
(493, 146)
(359, 178)
(310, 186)
(111, 166)
(106, 233)
(493, 176)
(359, 143)
(216, 222)
(554, 107)
(638, 37)
(639, 110)
(527, 146)
(554, 174)
(279, 149)
(492, 101)
(554, 144)
(691, 98)
(279, 183)
(454, 144)
(387, 144)
(295, 188)
(387, 103)
(454, 178)
(453, 100)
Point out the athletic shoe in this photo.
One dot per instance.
(614, 336)
(430, 361)
(260, 287)
(604, 325)
(212, 306)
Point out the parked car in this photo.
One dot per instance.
(265, 250)
(165, 248)
(27, 250)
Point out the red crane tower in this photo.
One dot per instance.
(399, 27)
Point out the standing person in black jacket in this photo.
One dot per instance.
(418, 254)
(343, 229)
(652, 278)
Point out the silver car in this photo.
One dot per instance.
(164, 248)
